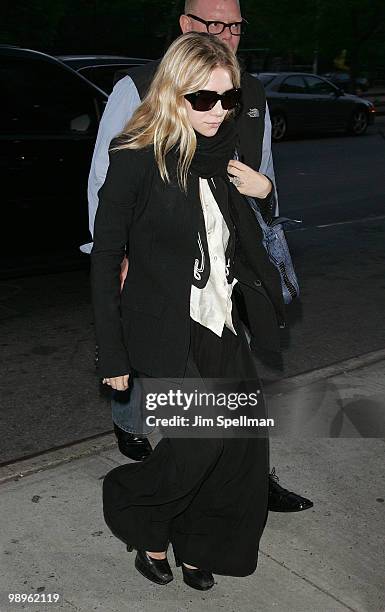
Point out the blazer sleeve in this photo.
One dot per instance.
(117, 199)
(268, 205)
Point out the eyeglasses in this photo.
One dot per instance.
(205, 100)
(217, 27)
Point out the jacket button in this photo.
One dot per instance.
(257, 283)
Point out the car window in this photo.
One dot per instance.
(40, 97)
(293, 84)
(266, 78)
(318, 86)
(103, 76)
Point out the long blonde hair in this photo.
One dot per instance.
(161, 119)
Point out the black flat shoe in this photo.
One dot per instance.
(202, 580)
(132, 446)
(156, 570)
(282, 500)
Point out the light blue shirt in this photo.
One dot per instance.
(123, 101)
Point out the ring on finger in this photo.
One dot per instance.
(236, 181)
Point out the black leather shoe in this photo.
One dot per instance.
(202, 580)
(132, 446)
(282, 500)
(156, 570)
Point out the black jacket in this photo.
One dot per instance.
(147, 327)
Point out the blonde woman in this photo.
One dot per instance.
(192, 242)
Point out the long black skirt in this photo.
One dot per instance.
(205, 496)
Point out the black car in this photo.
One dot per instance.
(300, 102)
(102, 70)
(48, 126)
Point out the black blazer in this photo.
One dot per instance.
(147, 327)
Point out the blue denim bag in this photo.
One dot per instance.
(274, 241)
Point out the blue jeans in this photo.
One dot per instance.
(127, 410)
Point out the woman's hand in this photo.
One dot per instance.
(119, 383)
(248, 181)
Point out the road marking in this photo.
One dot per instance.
(325, 225)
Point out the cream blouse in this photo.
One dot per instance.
(211, 306)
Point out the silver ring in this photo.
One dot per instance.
(236, 181)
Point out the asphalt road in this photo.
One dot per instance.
(337, 187)
(49, 394)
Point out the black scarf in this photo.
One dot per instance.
(213, 153)
(246, 256)
(210, 162)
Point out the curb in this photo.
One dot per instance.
(107, 441)
(53, 458)
(312, 376)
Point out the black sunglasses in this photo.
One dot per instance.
(205, 100)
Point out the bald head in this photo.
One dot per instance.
(191, 5)
(227, 11)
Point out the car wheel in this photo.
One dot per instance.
(278, 127)
(359, 122)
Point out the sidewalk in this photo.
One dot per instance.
(327, 559)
